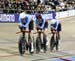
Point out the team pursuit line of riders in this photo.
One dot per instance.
(37, 41)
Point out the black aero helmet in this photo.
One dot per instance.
(38, 16)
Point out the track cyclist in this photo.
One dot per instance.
(24, 21)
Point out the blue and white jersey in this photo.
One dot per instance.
(24, 23)
(40, 23)
(54, 24)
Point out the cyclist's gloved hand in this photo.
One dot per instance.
(39, 30)
(38, 27)
(41, 27)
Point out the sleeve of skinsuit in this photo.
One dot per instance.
(27, 21)
(43, 23)
(51, 26)
(20, 22)
(56, 25)
(36, 21)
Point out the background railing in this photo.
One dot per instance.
(13, 11)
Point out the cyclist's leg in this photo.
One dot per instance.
(31, 29)
(38, 34)
(52, 41)
(42, 37)
(41, 40)
(59, 30)
(32, 41)
(45, 34)
(37, 39)
(26, 35)
(45, 40)
(57, 41)
(58, 34)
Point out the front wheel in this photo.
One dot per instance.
(52, 43)
(44, 44)
(21, 45)
(38, 45)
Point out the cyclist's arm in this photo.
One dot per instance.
(51, 26)
(56, 25)
(27, 22)
(36, 22)
(43, 22)
(20, 24)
